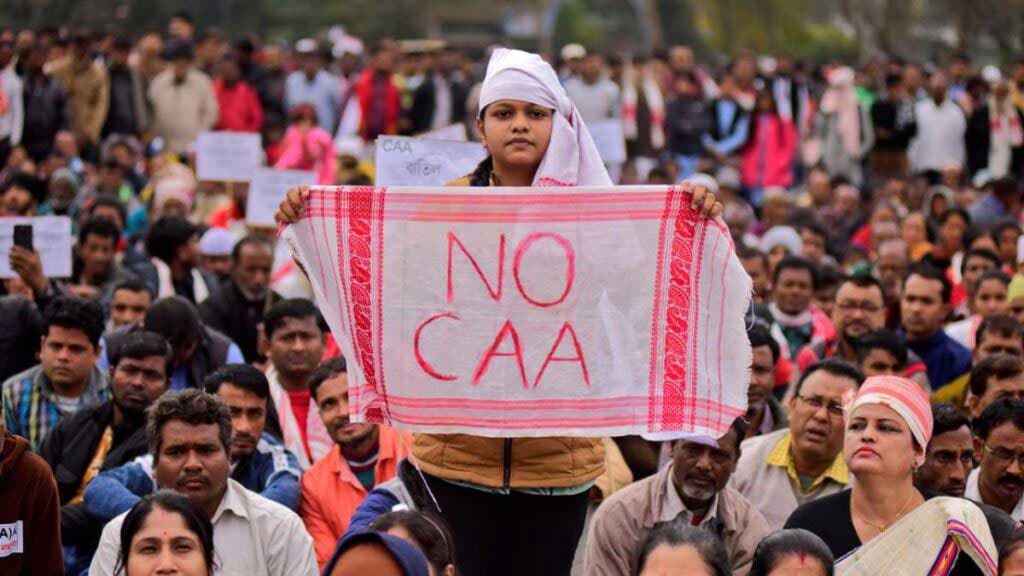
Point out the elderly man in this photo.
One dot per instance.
(950, 454)
(191, 445)
(780, 471)
(692, 490)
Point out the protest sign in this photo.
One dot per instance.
(51, 237)
(267, 189)
(228, 156)
(403, 161)
(530, 311)
(608, 138)
(454, 132)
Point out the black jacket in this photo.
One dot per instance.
(423, 103)
(21, 327)
(978, 140)
(229, 311)
(210, 354)
(69, 449)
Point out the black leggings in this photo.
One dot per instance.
(518, 534)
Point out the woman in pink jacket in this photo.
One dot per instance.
(767, 158)
(307, 146)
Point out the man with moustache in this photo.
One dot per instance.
(950, 453)
(258, 460)
(780, 471)
(190, 438)
(104, 436)
(365, 455)
(693, 490)
(999, 478)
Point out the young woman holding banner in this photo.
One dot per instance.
(517, 505)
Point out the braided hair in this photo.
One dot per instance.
(481, 176)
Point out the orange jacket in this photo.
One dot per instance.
(331, 492)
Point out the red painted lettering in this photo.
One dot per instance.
(485, 363)
(570, 266)
(453, 240)
(566, 329)
(424, 364)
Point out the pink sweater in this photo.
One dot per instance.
(314, 151)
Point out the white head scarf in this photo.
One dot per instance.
(571, 158)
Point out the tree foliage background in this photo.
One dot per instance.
(816, 29)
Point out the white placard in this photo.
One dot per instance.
(51, 237)
(228, 156)
(455, 132)
(403, 161)
(608, 138)
(268, 188)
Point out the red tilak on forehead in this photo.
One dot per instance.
(803, 559)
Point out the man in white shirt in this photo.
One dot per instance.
(190, 438)
(941, 125)
(999, 479)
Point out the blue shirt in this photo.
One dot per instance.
(945, 358)
(271, 471)
(323, 92)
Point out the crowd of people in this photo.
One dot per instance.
(178, 405)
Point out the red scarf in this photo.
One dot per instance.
(392, 108)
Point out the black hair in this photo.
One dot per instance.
(759, 336)
(297, 308)
(996, 414)
(995, 274)
(1001, 324)
(864, 281)
(429, 533)
(250, 239)
(998, 366)
(1004, 226)
(954, 211)
(829, 277)
(749, 253)
(191, 406)
(947, 418)
(1010, 546)
(796, 263)
(893, 80)
(790, 542)
(325, 371)
(241, 376)
(886, 340)
(678, 534)
(481, 175)
(133, 284)
(979, 253)
(73, 313)
(176, 319)
(99, 226)
(817, 229)
(167, 235)
(142, 344)
(108, 201)
(184, 15)
(832, 367)
(169, 501)
(929, 272)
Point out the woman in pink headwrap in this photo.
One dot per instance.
(883, 524)
(517, 505)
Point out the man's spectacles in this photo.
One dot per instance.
(1004, 456)
(818, 402)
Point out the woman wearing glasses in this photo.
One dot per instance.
(883, 524)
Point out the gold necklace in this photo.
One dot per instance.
(884, 527)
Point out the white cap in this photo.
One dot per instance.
(991, 74)
(306, 46)
(216, 242)
(573, 52)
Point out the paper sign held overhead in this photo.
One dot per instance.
(268, 188)
(403, 161)
(228, 156)
(51, 237)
